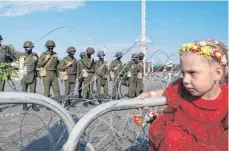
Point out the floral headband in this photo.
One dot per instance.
(203, 49)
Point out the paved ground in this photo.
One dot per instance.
(37, 131)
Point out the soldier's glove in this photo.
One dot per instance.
(104, 77)
(115, 68)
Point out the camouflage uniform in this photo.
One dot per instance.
(89, 68)
(140, 70)
(50, 80)
(29, 80)
(6, 55)
(101, 70)
(132, 69)
(116, 68)
(71, 72)
(79, 73)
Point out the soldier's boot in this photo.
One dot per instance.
(73, 104)
(25, 108)
(106, 99)
(80, 96)
(118, 97)
(94, 102)
(35, 108)
(100, 101)
(85, 104)
(113, 98)
(68, 104)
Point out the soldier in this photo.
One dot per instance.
(68, 66)
(125, 79)
(79, 72)
(49, 61)
(6, 55)
(30, 79)
(140, 70)
(131, 70)
(101, 76)
(116, 68)
(88, 72)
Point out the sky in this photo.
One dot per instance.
(115, 25)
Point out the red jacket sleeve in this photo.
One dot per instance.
(225, 123)
(172, 93)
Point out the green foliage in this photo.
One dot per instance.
(6, 70)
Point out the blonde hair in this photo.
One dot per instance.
(224, 50)
(220, 46)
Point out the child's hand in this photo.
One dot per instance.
(150, 117)
(145, 95)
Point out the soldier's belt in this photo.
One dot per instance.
(52, 70)
(99, 77)
(71, 73)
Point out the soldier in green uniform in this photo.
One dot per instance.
(30, 79)
(7, 55)
(101, 76)
(140, 74)
(116, 68)
(69, 66)
(79, 73)
(88, 72)
(50, 62)
(131, 70)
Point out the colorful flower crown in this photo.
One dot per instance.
(203, 49)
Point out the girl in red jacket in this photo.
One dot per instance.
(196, 118)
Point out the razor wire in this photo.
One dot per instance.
(88, 118)
(117, 128)
(125, 51)
(21, 134)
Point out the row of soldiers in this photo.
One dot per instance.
(49, 67)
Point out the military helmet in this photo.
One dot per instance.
(71, 49)
(28, 44)
(134, 55)
(141, 54)
(82, 54)
(1, 37)
(100, 54)
(118, 54)
(50, 43)
(90, 50)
